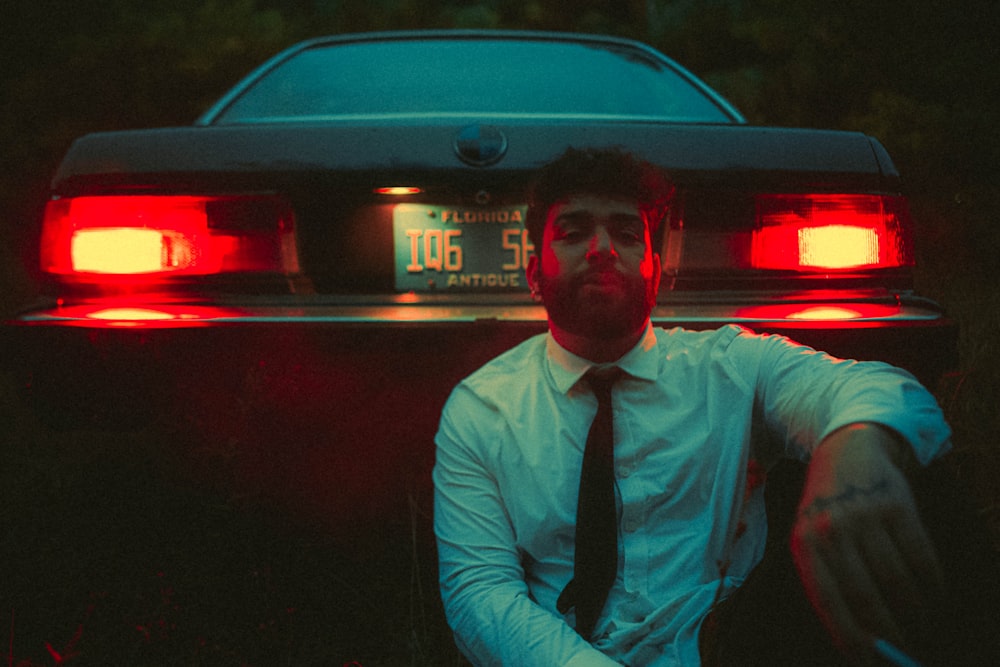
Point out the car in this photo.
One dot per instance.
(301, 276)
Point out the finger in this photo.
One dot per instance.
(834, 611)
(891, 571)
(842, 590)
(913, 543)
(860, 589)
(820, 585)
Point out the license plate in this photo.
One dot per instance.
(460, 249)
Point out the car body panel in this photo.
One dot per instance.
(766, 153)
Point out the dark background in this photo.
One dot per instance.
(923, 76)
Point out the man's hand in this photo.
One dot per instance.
(865, 560)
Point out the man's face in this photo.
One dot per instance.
(595, 271)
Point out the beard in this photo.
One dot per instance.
(607, 314)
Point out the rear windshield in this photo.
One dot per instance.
(459, 77)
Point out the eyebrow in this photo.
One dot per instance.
(619, 219)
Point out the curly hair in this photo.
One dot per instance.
(604, 172)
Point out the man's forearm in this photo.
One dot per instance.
(858, 542)
(871, 435)
(867, 446)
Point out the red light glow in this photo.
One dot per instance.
(128, 250)
(838, 246)
(829, 232)
(138, 314)
(799, 312)
(399, 190)
(825, 313)
(135, 235)
(114, 314)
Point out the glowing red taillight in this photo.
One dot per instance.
(163, 235)
(126, 250)
(831, 232)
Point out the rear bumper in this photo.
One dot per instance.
(335, 408)
(100, 363)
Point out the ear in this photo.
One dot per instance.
(531, 272)
(657, 272)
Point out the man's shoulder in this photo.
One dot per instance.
(731, 347)
(517, 365)
(482, 400)
(680, 337)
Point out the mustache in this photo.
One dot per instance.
(601, 274)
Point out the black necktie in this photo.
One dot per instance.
(596, 551)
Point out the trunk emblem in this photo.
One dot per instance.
(480, 145)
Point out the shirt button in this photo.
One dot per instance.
(624, 471)
(631, 525)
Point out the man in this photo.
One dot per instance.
(696, 417)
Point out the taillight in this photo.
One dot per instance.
(830, 232)
(154, 236)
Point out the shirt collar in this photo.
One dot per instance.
(566, 368)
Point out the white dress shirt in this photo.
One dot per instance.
(691, 412)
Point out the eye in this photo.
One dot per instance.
(631, 235)
(572, 232)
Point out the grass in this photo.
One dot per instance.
(969, 397)
(957, 267)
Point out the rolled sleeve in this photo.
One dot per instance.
(806, 395)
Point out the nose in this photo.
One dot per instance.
(601, 244)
